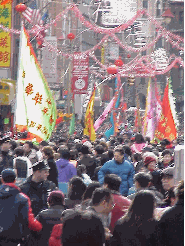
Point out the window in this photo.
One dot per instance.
(158, 9)
(181, 17)
(145, 4)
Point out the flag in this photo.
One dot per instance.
(89, 115)
(72, 123)
(167, 124)
(35, 107)
(103, 116)
(45, 17)
(33, 16)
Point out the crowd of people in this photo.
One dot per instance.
(71, 191)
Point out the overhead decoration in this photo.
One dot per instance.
(21, 7)
(5, 2)
(118, 63)
(70, 36)
(112, 69)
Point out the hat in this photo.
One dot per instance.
(56, 197)
(8, 175)
(168, 172)
(148, 159)
(77, 140)
(40, 165)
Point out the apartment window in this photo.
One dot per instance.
(145, 4)
(181, 17)
(158, 9)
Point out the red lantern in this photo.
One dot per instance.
(118, 63)
(128, 56)
(70, 36)
(112, 69)
(176, 66)
(21, 7)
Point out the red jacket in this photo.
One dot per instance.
(121, 205)
(55, 238)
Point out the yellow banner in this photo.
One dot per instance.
(5, 39)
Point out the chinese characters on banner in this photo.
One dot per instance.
(80, 73)
(5, 39)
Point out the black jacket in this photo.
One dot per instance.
(7, 162)
(171, 226)
(48, 219)
(90, 163)
(53, 172)
(38, 193)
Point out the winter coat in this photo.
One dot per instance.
(23, 166)
(71, 203)
(53, 172)
(48, 218)
(128, 234)
(66, 170)
(38, 193)
(125, 170)
(16, 208)
(6, 162)
(171, 226)
(90, 163)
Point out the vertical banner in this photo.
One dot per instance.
(80, 73)
(5, 38)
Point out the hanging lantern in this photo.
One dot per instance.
(128, 55)
(118, 63)
(21, 7)
(112, 69)
(70, 36)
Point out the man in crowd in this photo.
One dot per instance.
(121, 167)
(37, 187)
(30, 152)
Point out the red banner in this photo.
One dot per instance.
(80, 73)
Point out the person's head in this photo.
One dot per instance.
(139, 138)
(73, 154)
(105, 146)
(85, 149)
(47, 152)
(127, 150)
(102, 200)
(142, 180)
(142, 207)
(166, 156)
(110, 153)
(179, 190)
(168, 178)
(64, 152)
(8, 176)
(13, 144)
(19, 151)
(119, 154)
(81, 169)
(28, 145)
(90, 189)
(150, 162)
(137, 157)
(112, 182)
(40, 171)
(99, 149)
(56, 198)
(42, 144)
(76, 188)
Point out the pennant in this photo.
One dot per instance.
(167, 124)
(72, 123)
(89, 115)
(35, 108)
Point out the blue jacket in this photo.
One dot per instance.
(66, 170)
(124, 170)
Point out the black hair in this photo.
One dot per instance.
(137, 157)
(120, 150)
(143, 179)
(73, 154)
(19, 151)
(139, 138)
(127, 150)
(90, 189)
(99, 149)
(81, 169)
(99, 195)
(113, 181)
(166, 152)
(29, 143)
(110, 153)
(78, 188)
(13, 144)
(43, 143)
(64, 152)
(85, 150)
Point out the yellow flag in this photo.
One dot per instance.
(89, 118)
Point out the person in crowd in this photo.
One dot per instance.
(113, 182)
(88, 160)
(66, 170)
(79, 228)
(100, 156)
(167, 159)
(6, 158)
(42, 144)
(22, 165)
(16, 217)
(121, 167)
(75, 192)
(30, 152)
(127, 153)
(13, 145)
(137, 162)
(48, 218)
(82, 172)
(73, 156)
(37, 187)
(139, 144)
(171, 224)
(48, 155)
(138, 226)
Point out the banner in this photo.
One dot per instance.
(80, 73)
(5, 38)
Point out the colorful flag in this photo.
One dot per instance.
(33, 16)
(72, 123)
(89, 115)
(167, 124)
(35, 107)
